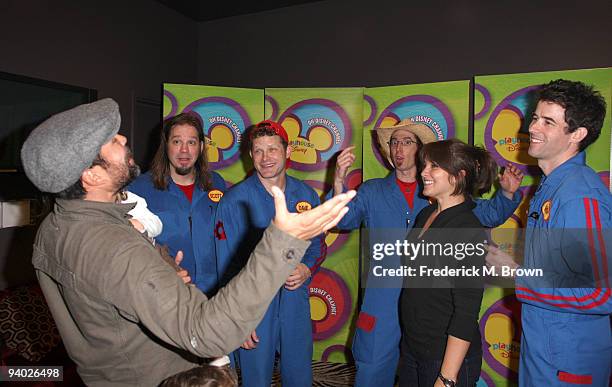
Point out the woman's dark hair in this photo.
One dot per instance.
(454, 156)
(160, 167)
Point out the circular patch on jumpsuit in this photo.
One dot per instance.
(303, 206)
(546, 209)
(215, 195)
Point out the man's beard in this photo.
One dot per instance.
(133, 171)
(127, 172)
(184, 171)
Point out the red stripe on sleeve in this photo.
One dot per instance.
(545, 296)
(602, 244)
(587, 214)
(592, 305)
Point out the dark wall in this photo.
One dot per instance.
(124, 49)
(384, 42)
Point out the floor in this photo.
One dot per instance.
(325, 375)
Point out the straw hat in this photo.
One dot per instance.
(422, 131)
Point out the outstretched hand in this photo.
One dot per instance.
(309, 224)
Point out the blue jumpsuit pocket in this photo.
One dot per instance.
(558, 340)
(577, 349)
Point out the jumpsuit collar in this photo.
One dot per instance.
(290, 186)
(564, 169)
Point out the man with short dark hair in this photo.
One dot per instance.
(241, 218)
(184, 193)
(566, 314)
(124, 315)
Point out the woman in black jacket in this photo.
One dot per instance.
(441, 343)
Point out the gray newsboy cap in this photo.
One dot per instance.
(58, 151)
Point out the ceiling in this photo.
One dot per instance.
(200, 10)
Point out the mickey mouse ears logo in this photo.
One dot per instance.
(224, 121)
(317, 129)
(500, 328)
(330, 304)
(506, 134)
(424, 109)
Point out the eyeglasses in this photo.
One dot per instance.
(404, 142)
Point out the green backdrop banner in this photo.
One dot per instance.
(444, 107)
(503, 105)
(226, 113)
(321, 122)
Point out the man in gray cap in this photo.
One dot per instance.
(124, 315)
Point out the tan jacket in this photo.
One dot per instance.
(123, 313)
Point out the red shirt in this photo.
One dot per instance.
(408, 189)
(187, 190)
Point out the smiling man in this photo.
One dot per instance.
(566, 317)
(242, 216)
(184, 193)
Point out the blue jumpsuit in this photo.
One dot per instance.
(566, 329)
(380, 204)
(187, 226)
(243, 214)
